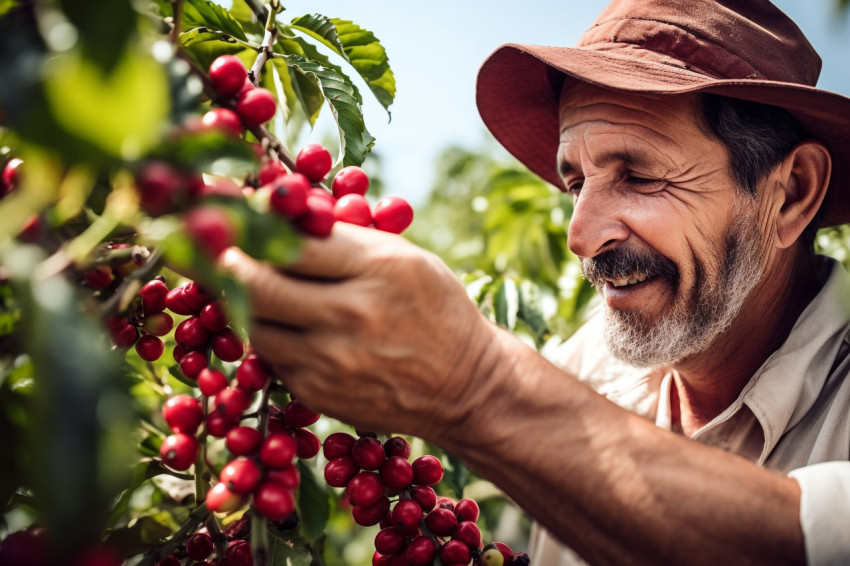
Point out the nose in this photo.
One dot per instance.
(597, 222)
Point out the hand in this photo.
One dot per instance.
(372, 330)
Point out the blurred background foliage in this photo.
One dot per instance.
(83, 96)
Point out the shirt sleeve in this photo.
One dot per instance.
(825, 512)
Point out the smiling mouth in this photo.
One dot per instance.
(629, 281)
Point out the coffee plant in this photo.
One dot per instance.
(139, 141)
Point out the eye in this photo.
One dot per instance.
(574, 187)
(643, 182)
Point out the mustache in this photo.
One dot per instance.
(623, 263)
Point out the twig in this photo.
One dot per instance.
(176, 21)
(113, 304)
(197, 517)
(266, 46)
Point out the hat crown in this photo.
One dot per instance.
(725, 39)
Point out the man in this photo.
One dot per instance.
(714, 428)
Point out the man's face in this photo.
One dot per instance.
(661, 229)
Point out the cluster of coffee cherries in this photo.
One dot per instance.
(295, 195)
(199, 550)
(384, 488)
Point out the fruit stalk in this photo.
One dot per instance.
(198, 516)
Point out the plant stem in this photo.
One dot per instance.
(260, 540)
(197, 517)
(116, 303)
(266, 46)
(177, 21)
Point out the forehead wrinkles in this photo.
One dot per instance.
(603, 143)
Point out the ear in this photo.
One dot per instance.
(803, 177)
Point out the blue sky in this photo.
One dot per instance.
(436, 47)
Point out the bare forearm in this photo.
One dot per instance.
(613, 486)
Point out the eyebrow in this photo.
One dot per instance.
(636, 158)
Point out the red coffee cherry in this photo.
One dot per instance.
(213, 317)
(421, 551)
(30, 547)
(211, 381)
(427, 470)
(392, 214)
(296, 414)
(178, 451)
(353, 209)
(99, 277)
(338, 444)
(368, 453)
(223, 120)
(277, 451)
(307, 444)
(389, 541)
(288, 194)
(219, 424)
(199, 546)
(11, 174)
(397, 473)
(149, 348)
(504, 549)
(424, 496)
(161, 188)
(211, 228)
(406, 515)
(350, 180)
(314, 161)
(121, 332)
(270, 170)
(158, 323)
(256, 106)
(231, 402)
(441, 522)
(273, 501)
(318, 220)
(397, 446)
(170, 560)
(379, 559)
(176, 302)
(252, 374)
(222, 500)
(365, 488)
(191, 333)
(183, 413)
(227, 74)
(243, 440)
(367, 516)
(240, 475)
(227, 346)
(288, 477)
(195, 297)
(467, 510)
(468, 533)
(339, 470)
(192, 363)
(455, 552)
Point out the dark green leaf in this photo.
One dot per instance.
(104, 28)
(455, 475)
(203, 13)
(369, 58)
(322, 29)
(531, 310)
(355, 140)
(313, 503)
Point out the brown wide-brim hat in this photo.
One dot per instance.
(745, 49)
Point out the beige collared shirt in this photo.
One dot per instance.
(793, 416)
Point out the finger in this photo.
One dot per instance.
(342, 255)
(276, 296)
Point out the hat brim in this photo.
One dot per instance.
(518, 90)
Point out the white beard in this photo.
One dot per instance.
(695, 322)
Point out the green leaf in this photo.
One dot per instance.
(203, 13)
(212, 152)
(531, 310)
(104, 28)
(122, 113)
(455, 475)
(313, 504)
(506, 304)
(355, 139)
(369, 58)
(322, 29)
(6, 5)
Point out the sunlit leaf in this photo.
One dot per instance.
(203, 13)
(121, 113)
(355, 140)
(369, 58)
(506, 303)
